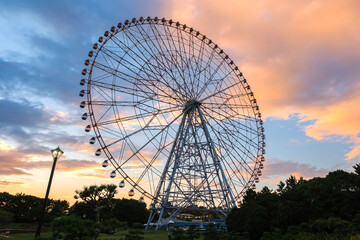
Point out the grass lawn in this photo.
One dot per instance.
(149, 235)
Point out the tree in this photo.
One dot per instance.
(357, 168)
(27, 208)
(97, 201)
(97, 195)
(330, 204)
(134, 235)
(130, 211)
(211, 233)
(73, 228)
(6, 217)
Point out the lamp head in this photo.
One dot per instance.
(57, 153)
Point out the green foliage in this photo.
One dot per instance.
(74, 228)
(177, 234)
(134, 235)
(180, 234)
(45, 238)
(356, 222)
(357, 168)
(96, 201)
(130, 211)
(137, 225)
(192, 234)
(211, 233)
(323, 207)
(102, 198)
(6, 217)
(27, 208)
(332, 225)
(97, 195)
(109, 226)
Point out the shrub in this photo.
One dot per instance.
(6, 217)
(74, 228)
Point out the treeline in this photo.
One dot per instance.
(319, 208)
(96, 203)
(22, 208)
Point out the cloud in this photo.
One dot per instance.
(17, 161)
(95, 174)
(5, 183)
(22, 113)
(298, 57)
(280, 169)
(63, 165)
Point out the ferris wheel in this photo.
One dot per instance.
(174, 117)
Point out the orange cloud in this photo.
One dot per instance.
(5, 147)
(11, 183)
(15, 162)
(299, 57)
(277, 169)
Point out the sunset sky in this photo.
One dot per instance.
(301, 58)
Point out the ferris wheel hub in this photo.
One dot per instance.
(191, 104)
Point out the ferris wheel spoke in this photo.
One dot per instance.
(210, 78)
(199, 65)
(248, 153)
(157, 134)
(185, 62)
(220, 91)
(117, 73)
(101, 92)
(186, 58)
(151, 70)
(191, 63)
(171, 47)
(140, 67)
(217, 83)
(151, 54)
(221, 117)
(230, 110)
(133, 92)
(108, 61)
(230, 177)
(150, 164)
(234, 159)
(137, 116)
(229, 105)
(228, 144)
(244, 138)
(167, 60)
(230, 155)
(237, 159)
(228, 97)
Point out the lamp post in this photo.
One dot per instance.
(56, 153)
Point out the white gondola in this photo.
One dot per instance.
(98, 152)
(122, 184)
(92, 140)
(87, 128)
(105, 163)
(131, 193)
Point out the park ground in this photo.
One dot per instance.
(27, 232)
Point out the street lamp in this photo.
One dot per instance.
(56, 153)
